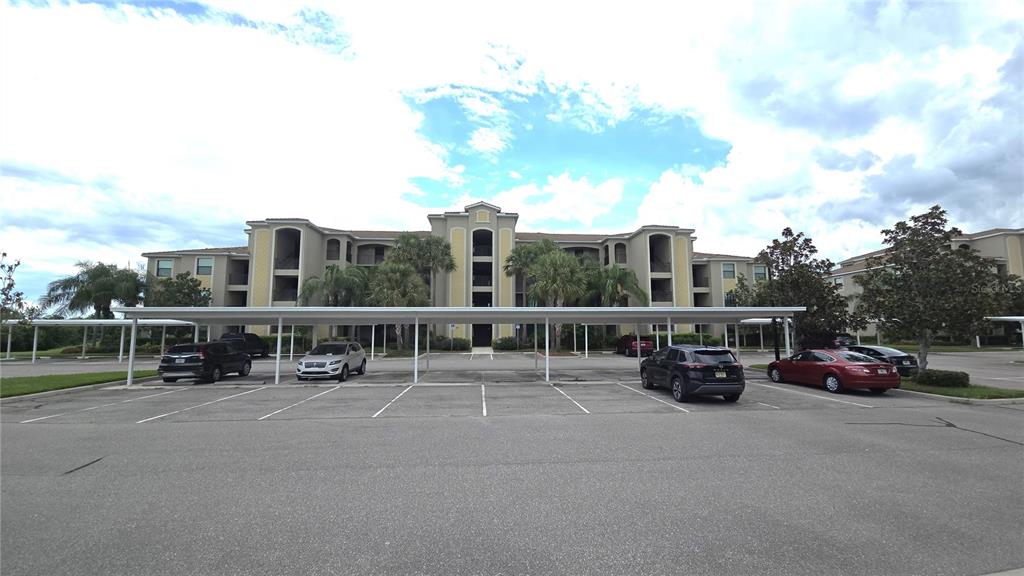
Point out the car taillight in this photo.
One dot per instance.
(859, 369)
(693, 366)
(202, 355)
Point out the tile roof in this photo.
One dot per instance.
(240, 250)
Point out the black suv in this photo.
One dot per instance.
(694, 370)
(250, 342)
(208, 361)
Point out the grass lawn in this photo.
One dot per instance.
(911, 348)
(758, 366)
(972, 391)
(32, 384)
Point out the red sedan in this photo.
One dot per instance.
(835, 370)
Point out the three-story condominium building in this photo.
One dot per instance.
(283, 253)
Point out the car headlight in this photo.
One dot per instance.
(300, 364)
(334, 362)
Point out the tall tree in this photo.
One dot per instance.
(523, 257)
(12, 302)
(556, 278)
(397, 284)
(182, 290)
(797, 278)
(94, 287)
(338, 287)
(612, 286)
(921, 285)
(429, 256)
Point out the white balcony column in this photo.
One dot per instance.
(131, 352)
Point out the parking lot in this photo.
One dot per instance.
(481, 469)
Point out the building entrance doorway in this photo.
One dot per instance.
(481, 335)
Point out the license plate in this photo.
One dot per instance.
(720, 374)
(179, 360)
(906, 362)
(883, 371)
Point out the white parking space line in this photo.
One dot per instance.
(571, 400)
(483, 398)
(769, 405)
(299, 402)
(653, 398)
(392, 401)
(203, 404)
(100, 406)
(813, 395)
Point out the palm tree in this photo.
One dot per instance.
(95, 287)
(613, 286)
(429, 256)
(524, 256)
(397, 284)
(339, 287)
(556, 278)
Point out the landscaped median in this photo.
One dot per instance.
(972, 391)
(32, 384)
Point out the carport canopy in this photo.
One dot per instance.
(438, 314)
(86, 323)
(1018, 319)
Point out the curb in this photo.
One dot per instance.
(78, 388)
(955, 400)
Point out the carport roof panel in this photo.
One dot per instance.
(149, 321)
(491, 315)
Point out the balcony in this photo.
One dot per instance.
(238, 279)
(661, 296)
(286, 263)
(702, 282)
(483, 281)
(660, 266)
(482, 251)
(286, 295)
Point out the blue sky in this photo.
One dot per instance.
(128, 127)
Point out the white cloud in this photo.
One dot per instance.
(561, 199)
(487, 141)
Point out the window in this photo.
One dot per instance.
(673, 355)
(164, 268)
(839, 282)
(728, 270)
(204, 266)
(760, 272)
(333, 249)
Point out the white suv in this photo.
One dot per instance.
(333, 360)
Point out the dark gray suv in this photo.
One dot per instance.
(694, 371)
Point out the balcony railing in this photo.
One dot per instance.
(286, 295)
(702, 282)
(237, 278)
(286, 263)
(661, 296)
(659, 266)
(483, 281)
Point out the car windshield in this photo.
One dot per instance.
(889, 351)
(328, 350)
(183, 348)
(854, 356)
(713, 356)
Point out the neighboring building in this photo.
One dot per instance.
(283, 252)
(1004, 247)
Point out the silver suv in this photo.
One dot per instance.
(333, 360)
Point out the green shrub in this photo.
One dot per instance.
(441, 343)
(943, 378)
(505, 343)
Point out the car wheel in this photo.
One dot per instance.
(731, 397)
(832, 384)
(245, 369)
(343, 375)
(679, 389)
(878, 390)
(775, 375)
(362, 367)
(216, 375)
(644, 381)
(170, 379)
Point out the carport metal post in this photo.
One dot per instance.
(209, 332)
(385, 352)
(373, 339)
(35, 342)
(416, 351)
(163, 339)
(10, 330)
(277, 365)
(668, 327)
(120, 348)
(638, 354)
(195, 335)
(1022, 335)
(131, 352)
(760, 333)
(725, 334)
(547, 353)
(574, 351)
(428, 347)
(291, 343)
(738, 342)
(657, 339)
(535, 348)
(586, 341)
(85, 334)
(785, 332)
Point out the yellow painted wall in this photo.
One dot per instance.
(457, 284)
(727, 285)
(682, 272)
(259, 268)
(1014, 258)
(506, 287)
